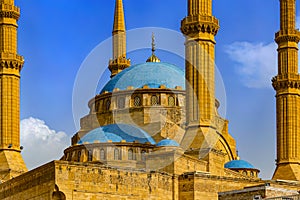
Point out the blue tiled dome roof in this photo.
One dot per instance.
(150, 73)
(116, 133)
(239, 164)
(168, 143)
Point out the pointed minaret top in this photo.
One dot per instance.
(119, 21)
(119, 60)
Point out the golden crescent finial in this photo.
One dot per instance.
(153, 57)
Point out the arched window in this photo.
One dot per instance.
(245, 173)
(171, 101)
(130, 154)
(121, 102)
(79, 156)
(251, 174)
(90, 155)
(107, 105)
(143, 155)
(137, 101)
(154, 100)
(102, 154)
(117, 155)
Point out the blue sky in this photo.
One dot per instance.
(55, 36)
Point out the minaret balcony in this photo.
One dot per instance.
(287, 36)
(9, 11)
(121, 61)
(199, 23)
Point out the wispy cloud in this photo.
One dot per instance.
(41, 144)
(255, 63)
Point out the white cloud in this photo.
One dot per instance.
(41, 144)
(256, 63)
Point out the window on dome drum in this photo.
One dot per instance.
(102, 154)
(245, 173)
(107, 105)
(137, 101)
(143, 155)
(90, 155)
(154, 100)
(130, 154)
(251, 174)
(79, 156)
(121, 102)
(171, 101)
(117, 155)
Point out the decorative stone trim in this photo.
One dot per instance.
(9, 11)
(285, 84)
(197, 24)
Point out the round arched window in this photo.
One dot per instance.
(102, 154)
(121, 102)
(130, 154)
(154, 100)
(143, 155)
(137, 101)
(171, 101)
(107, 105)
(117, 155)
(79, 156)
(90, 155)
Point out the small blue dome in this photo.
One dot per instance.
(153, 74)
(238, 164)
(168, 143)
(116, 133)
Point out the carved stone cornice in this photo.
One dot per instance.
(11, 61)
(9, 11)
(287, 36)
(285, 82)
(196, 24)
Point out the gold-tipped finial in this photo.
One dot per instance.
(237, 155)
(153, 57)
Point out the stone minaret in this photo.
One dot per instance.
(287, 86)
(119, 61)
(200, 28)
(11, 161)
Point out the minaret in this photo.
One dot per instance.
(119, 60)
(200, 28)
(11, 161)
(287, 86)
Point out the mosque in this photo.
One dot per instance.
(154, 131)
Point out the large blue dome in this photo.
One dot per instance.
(153, 74)
(117, 133)
(239, 164)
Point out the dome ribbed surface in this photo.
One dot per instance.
(153, 74)
(239, 164)
(117, 133)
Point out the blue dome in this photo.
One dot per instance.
(238, 164)
(168, 143)
(116, 133)
(153, 74)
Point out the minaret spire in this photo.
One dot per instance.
(11, 63)
(287, 86)
(200, 28)
(119, 61)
